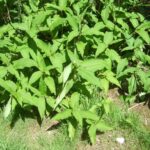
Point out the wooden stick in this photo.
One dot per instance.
(136, 105)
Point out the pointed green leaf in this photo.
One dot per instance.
(93, 65)
(74, 100)
(72, 35)
(35, 76)
(108, 38)
(7, 109)
(41, 106)
(71, 130)
(101, 48)
(67, 72)
(92, 133)
(104, 84)
(63, 115)
(105, 13)
(56, 22)
(72, 22)
(134, 22)
(145, 35)
(49, 81)
(131, 85)
(73, 57)
(78, 116)
(121, 65)
(42, 86)
(101, 126)
(34, 4)
(88, 76)
(89, 115)
(3, 71)
(8, 85)
(62, 3)
(110, 77)
(43, 46)
(23, 63)
(81, 47)
(65, 90)
(113, 55)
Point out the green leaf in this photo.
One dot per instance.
(42, 86)
(24, 63)
(145, 25)
(108, 38)
(86, 30)
(3, 71)
(41, 106)
(73, 57)
(34, 4)
(104, 84)
(127, 71)
(41, 62)
(113, 55)
(106, 105)
(110, 25)
(34, 90)
(67, 72)
(71, 130)
(72, 22)
(144, 34)
(35, 76)
(43, 46)
(78, 116)
(100, 49)
(74, 100)
(92, 133)
(49, 81)
(9, 86)
(39, 18)
(4, 58)
(50, 101)
(131, 85)
(105, 13)
(110, 77)
(88, 76)
(93, 65)
(134, 22)
(13, 71)
(65, 90)
(63, 115)
(122, 23)
(50, 6)
(62, 3)
(89, 115)
(57, 61)
(99, 25)
(72, 35)
(13, 104)
(121, 65)
(55, 23)
(81, 47)
(7, 109)
(101, 126)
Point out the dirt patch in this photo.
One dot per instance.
(143, 111)
(107, 141)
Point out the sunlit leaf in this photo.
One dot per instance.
(65, 90)
(49, 81)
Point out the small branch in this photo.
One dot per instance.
(136, 105)
(8, 13)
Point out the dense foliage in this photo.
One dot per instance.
(54, 56)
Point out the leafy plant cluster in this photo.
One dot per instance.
(55, 55)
